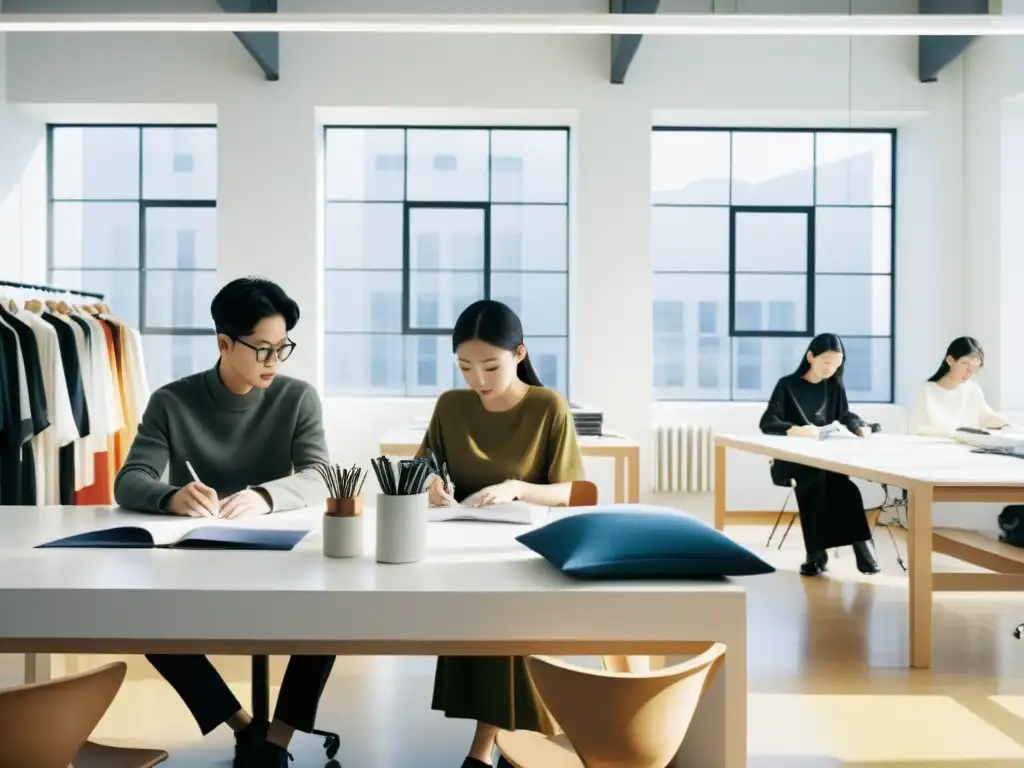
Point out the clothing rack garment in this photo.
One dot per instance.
(72, 389)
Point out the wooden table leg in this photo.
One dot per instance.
(720, 487)
(919, 551)
(633, 492)
(620, 479)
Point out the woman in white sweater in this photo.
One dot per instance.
(949, 400)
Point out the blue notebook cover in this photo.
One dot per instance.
(203, 537)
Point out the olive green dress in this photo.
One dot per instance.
(535, 442)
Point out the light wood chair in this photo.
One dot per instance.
(583, 494)
(611, 719)
(47, 725)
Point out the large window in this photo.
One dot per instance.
(421, 222)
(133, 215)
(763, 238)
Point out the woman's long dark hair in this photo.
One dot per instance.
(820, 344)
(496, 324)
(963, 346)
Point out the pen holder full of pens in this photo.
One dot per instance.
(402, 510)
(344, 530)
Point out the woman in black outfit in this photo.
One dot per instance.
(831, 508)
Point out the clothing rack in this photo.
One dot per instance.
(51, 289)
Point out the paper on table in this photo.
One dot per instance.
(519, 512)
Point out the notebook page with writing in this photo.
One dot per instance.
(517, 512)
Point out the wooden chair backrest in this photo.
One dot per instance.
(624, 719)
(583, 494)
(43, 725)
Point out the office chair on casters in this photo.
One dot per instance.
(261, 707)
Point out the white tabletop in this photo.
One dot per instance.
(907, 458)
(412, 434)
(477, 583)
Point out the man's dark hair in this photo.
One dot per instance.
(240, 305)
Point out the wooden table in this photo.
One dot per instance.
(478, 592)
(931, 470)
(405, 441)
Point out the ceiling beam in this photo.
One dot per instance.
(936, 52)
(624, 47)
(264, 47)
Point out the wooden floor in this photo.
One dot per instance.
(829, 686)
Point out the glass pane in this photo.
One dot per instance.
(364, 302)
(363, 235)
(179, 163)
(771, 242)
(694, 239)
(120, 289)
(179, 298)
(550, 359)
(95, 163)
(758, 363)
(772, 168)
(364, 364)
(448, 165)
(854, 168)
(95, 235)
(771, 303)
(429, 365)
(365, 164)
(690, 167)
(181, 238)
(859, 305)
(853, 240)
(533, 237)
(691, 345)
(169, 358)
(530, 166)
(540, 300)
(442, 295)
(446, 238)
(868, 371)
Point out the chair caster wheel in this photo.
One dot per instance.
(331, 745)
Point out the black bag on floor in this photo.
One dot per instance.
(1011, 523)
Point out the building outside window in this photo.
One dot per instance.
(764, 238)
(133, 215)
(420, 223)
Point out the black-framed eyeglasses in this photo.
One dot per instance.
(262, 353)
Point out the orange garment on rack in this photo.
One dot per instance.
(105, 464)
(123, 437)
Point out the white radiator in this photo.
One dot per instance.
(684, 456)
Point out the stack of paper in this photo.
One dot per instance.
(517, 512)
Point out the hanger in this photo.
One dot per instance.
(34, 305)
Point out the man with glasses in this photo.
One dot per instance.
(236, 440)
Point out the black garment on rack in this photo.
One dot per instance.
(16, 431)
(37, 402)
(76, 392)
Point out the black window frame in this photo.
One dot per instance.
(145, 204)
(892, 133)
(487, 205)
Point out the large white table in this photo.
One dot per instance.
(478, 593)
(930, 469)
(405, 441)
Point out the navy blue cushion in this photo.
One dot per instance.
(640, 541)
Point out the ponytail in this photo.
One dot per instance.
(526, 373)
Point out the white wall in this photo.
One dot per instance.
(269, 211)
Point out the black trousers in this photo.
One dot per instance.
(211, 702)
(831, 508)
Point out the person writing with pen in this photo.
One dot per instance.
(256, 439)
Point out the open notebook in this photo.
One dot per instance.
(184, 534)
(518, 512)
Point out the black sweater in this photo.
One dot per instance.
(796, 402)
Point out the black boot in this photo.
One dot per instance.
(269, 755)
(866, 562)
(247, 740)
(815, 564)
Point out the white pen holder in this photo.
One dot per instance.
(402, 528)
(344, 528)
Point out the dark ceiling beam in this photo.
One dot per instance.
(264, 47)
(624, 47)
(936, 52)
